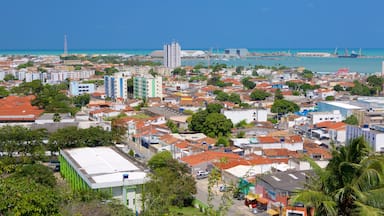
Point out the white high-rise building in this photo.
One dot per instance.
(172, 55)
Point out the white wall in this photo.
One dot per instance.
(248, 115)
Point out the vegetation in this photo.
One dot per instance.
(29, 188)
(81, 100)
(211, 122)
(247, 83)
(9, 77)
(351, 184)
(72, 137)
(28, 64)
(216, 81)
(278, 95)
(170, 185)
(258, 95)
(375, 82)
(222, 96)
(172, 126)
(179, 72)
(307, 74)
(338, 88)
(330, 98)
(3, 92)
(352, 120)
(284, 106)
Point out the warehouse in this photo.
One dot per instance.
(104, 169)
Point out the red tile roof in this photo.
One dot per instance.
(14, 108)
(203, 157)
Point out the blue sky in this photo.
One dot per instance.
(148, 24)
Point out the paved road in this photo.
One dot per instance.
(237, 209)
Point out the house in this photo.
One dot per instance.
(279, 186)
(249, 115)
(16, 109)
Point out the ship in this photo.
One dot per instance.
(352, 55)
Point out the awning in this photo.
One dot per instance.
(251, 196)
(262, 200)
(272, 212)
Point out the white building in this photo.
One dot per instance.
(249, 115)
(172, 55)
(374, 135)
(77, 88)
(147, 86)
(317, 117)
(104, 169)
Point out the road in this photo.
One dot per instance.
(237, 209)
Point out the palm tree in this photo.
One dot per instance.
(351, 184)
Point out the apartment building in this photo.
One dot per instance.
(147, 86)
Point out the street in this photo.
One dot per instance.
(237, 209)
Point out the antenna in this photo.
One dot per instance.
(65, 45)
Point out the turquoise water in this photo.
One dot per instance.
(371, 64)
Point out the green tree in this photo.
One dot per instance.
(222, 141)
(172, 126)
(278, 95)
(216, 125)
(351, 184)
(9, 77)
(307, 74)
(234, 98)
(338, 88)
(221, 96)
(170, 185)
(351, 120)
(197, 120)
(214, 108)
(330, 98)
(160, 160)
(3, 92)
(239, 69)
(247, 83)
(81, 100)
(179, 72)
(258, 95)
(284, 107)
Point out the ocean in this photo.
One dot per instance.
(370, 63)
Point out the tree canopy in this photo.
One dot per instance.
(351, 184)
(352, 120)
(247, 83)
(170, 185)
(258, 95)
(284, 107)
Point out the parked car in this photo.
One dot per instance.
(238, 195)
(202, 176)
(224, 188)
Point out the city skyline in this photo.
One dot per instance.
(150, 24)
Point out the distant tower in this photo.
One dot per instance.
(172, 55)
(65, 46)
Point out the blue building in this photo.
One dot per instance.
(345, 108)
(77, 88)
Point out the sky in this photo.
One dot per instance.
(195, 24)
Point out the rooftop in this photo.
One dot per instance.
(103, 167)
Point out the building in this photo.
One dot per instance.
(172, 55)
(279, 186)
(77, 88)
(249, 115)
(104, 169)
(147, 87)
(18, 109)
(317, 117)
(241, 52)
(345, 108)
(374, 135)
(116, 86)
